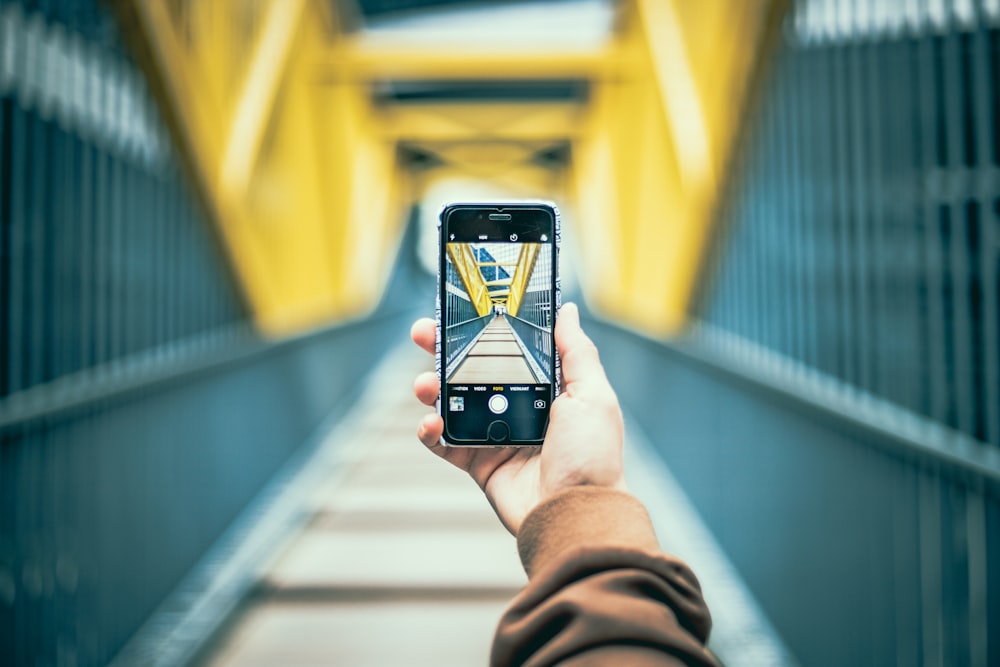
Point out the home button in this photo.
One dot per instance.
(498, 431)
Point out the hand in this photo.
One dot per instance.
(583, 445)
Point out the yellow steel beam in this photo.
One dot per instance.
(522, 276)
(649, 166)
(273, 103)
(193, 106)
(515, 122)
(674, 78)
(362, 61)
(468, 270)
(256, 101)
(307, 195)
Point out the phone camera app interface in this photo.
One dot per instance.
(497, 332)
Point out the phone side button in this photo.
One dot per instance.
(498, 431)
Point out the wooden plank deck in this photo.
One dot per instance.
(495, 358)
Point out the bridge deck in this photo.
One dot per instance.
(401, 563)
(496, 357)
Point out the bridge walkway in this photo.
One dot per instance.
(401, 561)
(495, 357)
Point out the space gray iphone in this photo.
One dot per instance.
(498, 294)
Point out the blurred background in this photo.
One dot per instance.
(217, 222)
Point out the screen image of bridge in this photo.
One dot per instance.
(498, 313)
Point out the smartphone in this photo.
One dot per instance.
(498, 295)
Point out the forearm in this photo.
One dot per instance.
(600, 590)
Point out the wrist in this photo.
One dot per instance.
(581, 517)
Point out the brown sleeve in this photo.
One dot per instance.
(600, 590)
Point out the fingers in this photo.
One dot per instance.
(429, 430)
(580, 361)
(426, 388)
(424, 334)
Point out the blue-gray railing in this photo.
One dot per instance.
(537, 341)
(834, 416)
(139, 411)
(458, 336)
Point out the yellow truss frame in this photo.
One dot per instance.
(271, 103)
(468, 270)
(522, 275)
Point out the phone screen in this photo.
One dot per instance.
(498, 303)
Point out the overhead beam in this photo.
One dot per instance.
(367, 62)
(459, 122)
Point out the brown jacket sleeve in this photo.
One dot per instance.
(600, 590)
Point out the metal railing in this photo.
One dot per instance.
(459, 335)
(537, 341)
(105, 254)
(842, 392)
(140, 412)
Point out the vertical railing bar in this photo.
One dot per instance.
(750, 257)
(793, 224)
(986, 131)
(734, 258)
(992, 537)
(823, 220)
(902, 240)
(768, 209)
(808, 201)
(955, 573)
(858, 255)
(907, 561)
(759, 207)
(77, 217)
(956, 188)
(142, 276)
(187, 288)
(114, 270)
(102, 218)
(158, 336)
(123, 286)
(936, 381)
(66, 238)
(783, 230)
(7, 481)
(842, 220)
(84, 251)
(932, 622)
(976, 528)
(878, 219)
(34, 322)
(796, 311)
(130, 316)
(48, 234)
(6, 246)
(173, 236)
